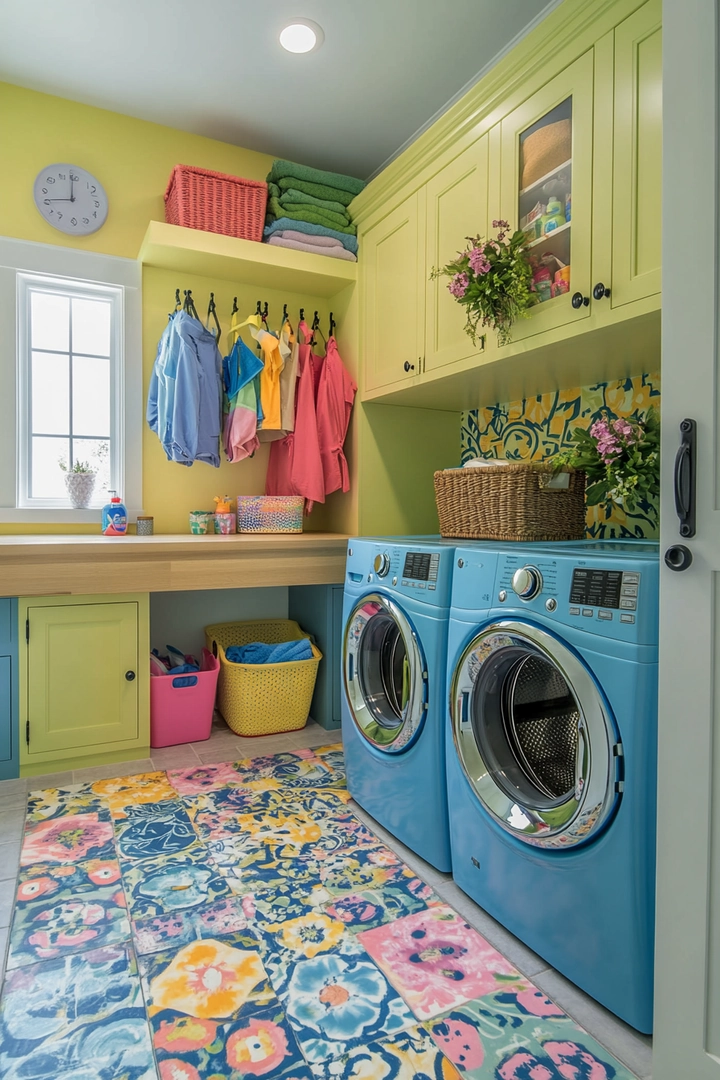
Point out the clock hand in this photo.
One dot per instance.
(72, 197)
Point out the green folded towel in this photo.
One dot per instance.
(283, 169)
(274, 192)
(300, 198)
(314, 214)
(320, 191)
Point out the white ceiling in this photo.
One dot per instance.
(215, 67)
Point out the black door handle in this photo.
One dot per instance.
(408, 366)
(578, 300)
(599, 291)
(129, 675)
(678, 557)
(684, 479)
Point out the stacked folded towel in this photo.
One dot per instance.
(308, 210)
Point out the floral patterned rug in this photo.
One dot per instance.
(238, 920)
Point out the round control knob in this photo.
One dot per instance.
(527, 582)
(382, 563)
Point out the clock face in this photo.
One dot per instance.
(70, 199)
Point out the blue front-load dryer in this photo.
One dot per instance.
(551, 755)
(395, 620)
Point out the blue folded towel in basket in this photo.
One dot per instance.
(258, 653)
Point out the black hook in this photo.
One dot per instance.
(258, 309)
(234, 307)
(315, 322)
(189, 305)
(333, 324)
(285, 314)
(178, 303)
(212, 311)
(264, 315)
(302, 313)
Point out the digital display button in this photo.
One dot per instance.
(417, 565)
(600, 588)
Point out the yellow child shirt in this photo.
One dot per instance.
(270, 380)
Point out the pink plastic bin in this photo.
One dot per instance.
(181, 706)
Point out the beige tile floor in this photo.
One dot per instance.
(633, 1049)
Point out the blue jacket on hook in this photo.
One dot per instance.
(184, 406)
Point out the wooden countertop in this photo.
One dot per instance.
(82, 565)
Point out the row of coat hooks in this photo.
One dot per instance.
(188, 305)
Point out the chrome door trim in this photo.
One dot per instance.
(416, 708)
(565, 823)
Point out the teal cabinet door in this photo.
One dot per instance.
(9, 758)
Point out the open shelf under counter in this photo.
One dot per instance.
(82, 565)
(192, 251)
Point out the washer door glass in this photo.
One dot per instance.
(385, 674)
(534, 735)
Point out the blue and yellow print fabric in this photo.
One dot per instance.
(533, 429)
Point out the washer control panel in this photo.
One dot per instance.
(605, 591)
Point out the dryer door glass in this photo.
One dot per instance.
(534, 735)
(385, 674)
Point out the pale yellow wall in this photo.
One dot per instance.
(131, 158)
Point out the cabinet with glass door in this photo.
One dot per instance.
(546, 190)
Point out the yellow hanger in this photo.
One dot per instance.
(235, 328)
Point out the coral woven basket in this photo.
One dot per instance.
(511, 502)
(262, 699)
(216, 202)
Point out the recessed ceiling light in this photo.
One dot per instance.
(302, 36)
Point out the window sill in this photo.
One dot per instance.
(54, 516)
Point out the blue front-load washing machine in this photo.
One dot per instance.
(551, 755)
(395, 619)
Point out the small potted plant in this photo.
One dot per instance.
(492, 279)
(621, 458)
(80, 483)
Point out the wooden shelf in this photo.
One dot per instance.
(191, 251)
(82, 565)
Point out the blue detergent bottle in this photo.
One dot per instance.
(114, 516)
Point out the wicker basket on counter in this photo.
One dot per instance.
(515, 501)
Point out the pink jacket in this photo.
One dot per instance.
(335, 397)
(295, 466)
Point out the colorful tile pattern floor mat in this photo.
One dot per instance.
(237, 921)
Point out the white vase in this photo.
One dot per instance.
(80, 486)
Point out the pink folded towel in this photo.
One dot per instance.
(332, 252)
(308, 238)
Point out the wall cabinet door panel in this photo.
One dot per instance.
(457, 200)
(82, 677)
(637, 157)
(393, 258)
(546, 155)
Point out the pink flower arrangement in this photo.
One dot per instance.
(459, 285)
(492, 279)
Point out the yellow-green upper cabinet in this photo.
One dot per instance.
(637, 157)
(84, 670)
(457, 201)
(546, 178)
(393, 294)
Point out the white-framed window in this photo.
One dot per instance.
(70, 379)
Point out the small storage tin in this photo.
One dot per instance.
(145, 526)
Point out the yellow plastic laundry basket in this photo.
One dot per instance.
(262, 699)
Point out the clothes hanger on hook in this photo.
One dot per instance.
(189, 305)
(316, 326)
(212, 311)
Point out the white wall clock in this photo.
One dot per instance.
(70, 199)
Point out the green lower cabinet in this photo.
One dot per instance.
(318, 610)
(84, 693)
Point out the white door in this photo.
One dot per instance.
(687, 986)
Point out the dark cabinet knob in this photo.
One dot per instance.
(408, 366)
(129, 675)
(600, 290)
(678, 557)
(579, 300)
